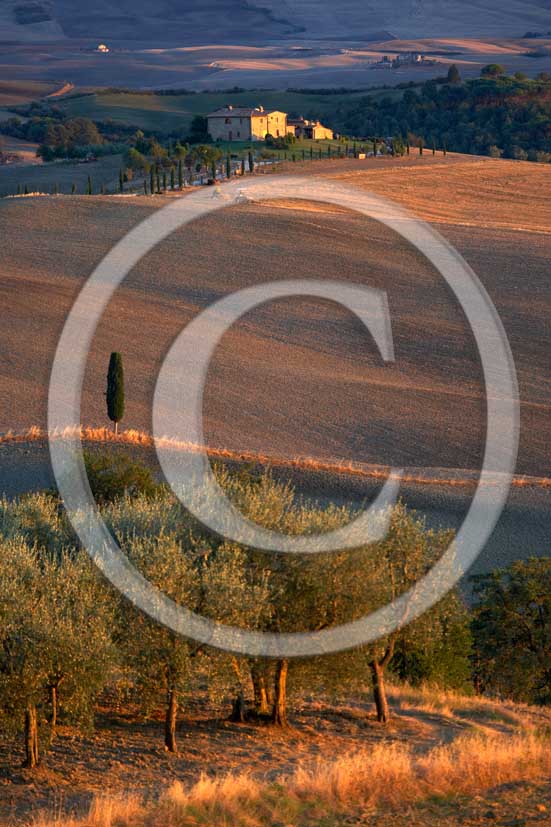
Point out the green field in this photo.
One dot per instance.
(46, 177)
(168, 113)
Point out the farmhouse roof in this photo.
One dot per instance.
(241, 112)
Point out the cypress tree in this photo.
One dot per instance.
(73, 188)
(89, 186)
(242, 166)
(228, 166)
(152, 180)
(311, 153)
(180, 174)
(26, 189)
(145, 187)
(115, 390)
(172, 179)
(121, 181)
(407, 147)
(251, 162)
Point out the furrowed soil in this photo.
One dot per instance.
(300, 377)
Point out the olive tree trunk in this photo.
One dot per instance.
(378, 667)
(379, 691)
(279, 715)
(259, 675)
(32, 756)
(53, 709)
(170, 721)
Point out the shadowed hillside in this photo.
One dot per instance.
(221, 20)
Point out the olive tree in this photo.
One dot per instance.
(512, 631)
(55, 644)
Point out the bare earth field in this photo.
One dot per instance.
(298, 377)
(274, 63)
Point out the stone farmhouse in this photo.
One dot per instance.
(253, 124)
(242, 124)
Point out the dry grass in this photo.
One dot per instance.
(136, 438)
(454, 705)
(386, 776)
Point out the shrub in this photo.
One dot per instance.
(113, 475)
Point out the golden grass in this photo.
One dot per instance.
(387, 776)
(137, 438)
(475, 708)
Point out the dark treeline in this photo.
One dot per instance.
(493, 115)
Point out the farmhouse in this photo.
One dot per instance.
(244, 124)
(312, 130)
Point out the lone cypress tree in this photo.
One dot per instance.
(115, 390)
(73, 188)
(121, 181)
(251, 162)
(152, 180)
(180, 174)
(89, 186)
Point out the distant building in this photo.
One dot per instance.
(404, 59)
(244, 124)
(312, 130)
(103, 48)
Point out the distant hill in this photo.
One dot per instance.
(195, 21)
(416, 18)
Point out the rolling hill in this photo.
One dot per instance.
(194, 21)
